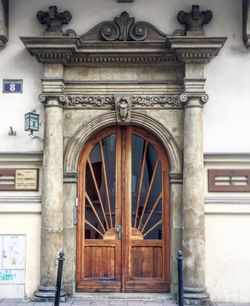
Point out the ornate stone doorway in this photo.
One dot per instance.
(161, 80)
(123, 241)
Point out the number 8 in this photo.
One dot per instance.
(12, 87)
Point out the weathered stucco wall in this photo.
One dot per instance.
(225, 121)
(230, 67)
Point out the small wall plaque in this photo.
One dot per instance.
(12, 86)
(19, 179)
(229, 180)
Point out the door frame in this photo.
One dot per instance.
(124, 163)
(72, 154)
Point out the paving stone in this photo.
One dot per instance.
(81, 303)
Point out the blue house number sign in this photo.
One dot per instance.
(12, 86)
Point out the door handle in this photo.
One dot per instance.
(119, 231)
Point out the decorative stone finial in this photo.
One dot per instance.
(194, 20)
(53, 19)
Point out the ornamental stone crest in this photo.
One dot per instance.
(53, 19)
(123, 28)
(194, 20)
(123, 106)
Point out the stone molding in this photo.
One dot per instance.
(176, 178)
(196, 49)
(84, 132)
(194, 20)
(70, 178)
(187, 97)
(52, 99)
(108, 101)
(4, 11)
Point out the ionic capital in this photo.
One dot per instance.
(194, 99)
(52, 99)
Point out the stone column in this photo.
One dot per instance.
(194, 52)
(52, 202)
(193, 189)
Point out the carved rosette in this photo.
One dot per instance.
(187, 97)
(52, 99)
(123, 28)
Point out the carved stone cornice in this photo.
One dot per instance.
(194, 20)
(4, 10)
(52, 99)
(111, 42)
(196, 49)
(72, 51)
(108, 101)
(194, 99)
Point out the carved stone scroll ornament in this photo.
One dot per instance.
(194, 20)
(94, 101)
(52, 99)
(202, 97)
(107, 101)
(53, 19)
(156, 100)
(123, 28)
(123, 107)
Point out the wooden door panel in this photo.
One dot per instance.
(100, 261)
(146, 262)
(129, 189)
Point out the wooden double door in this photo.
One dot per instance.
(123, 213)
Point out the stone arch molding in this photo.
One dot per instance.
(76, 143)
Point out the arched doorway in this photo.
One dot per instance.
(123, 232)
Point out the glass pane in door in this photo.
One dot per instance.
(100, 190)
(146, 190)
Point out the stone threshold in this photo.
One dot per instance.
(124, 296)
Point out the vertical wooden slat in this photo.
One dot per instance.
(94, 228)
(149, 191)
(94, 210)
(106, 182)
(152, 211)
(140, 182)
(152, 228)
(98, 192)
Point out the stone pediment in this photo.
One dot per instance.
(122, 40)
(124, 28)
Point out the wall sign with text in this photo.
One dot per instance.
(19, 179)
(12, 86)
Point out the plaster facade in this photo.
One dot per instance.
(78, 102)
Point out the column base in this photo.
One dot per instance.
(47, 293)
(196, 296)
